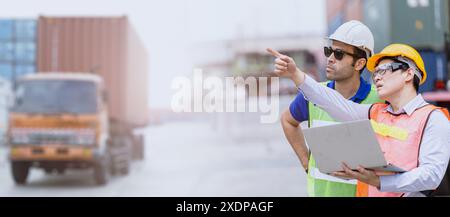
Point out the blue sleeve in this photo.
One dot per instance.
(299, 108)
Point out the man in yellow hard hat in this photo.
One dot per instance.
(413, 134)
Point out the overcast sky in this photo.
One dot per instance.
(169, 28)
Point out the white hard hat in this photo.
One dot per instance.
(356, 34)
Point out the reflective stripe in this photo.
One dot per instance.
(391, 131)
(315, 173)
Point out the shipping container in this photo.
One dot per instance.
(18, 52)
(341, 11)
(6, 29)
(334, 8)
(17, 48)
(421, 24)
(14, 72)
(6, 51)
(436, 67)
(25, 30)
(6, 71)
(376, 18)
(354, 10)
(107, 46)
(25, 52)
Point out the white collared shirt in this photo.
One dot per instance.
(434, 150)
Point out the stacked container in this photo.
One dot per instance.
(17, 48)
(423, 24)
(341, 11)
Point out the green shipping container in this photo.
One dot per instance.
(419, 23)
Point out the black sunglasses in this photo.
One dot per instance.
(338, 53)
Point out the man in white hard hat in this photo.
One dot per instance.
(351, 45)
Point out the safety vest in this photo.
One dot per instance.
(399, 137)
(320, 184)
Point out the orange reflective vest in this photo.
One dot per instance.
(400, 137)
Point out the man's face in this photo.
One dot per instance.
(340, 69)
(390, 82)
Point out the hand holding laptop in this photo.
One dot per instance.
(354, 143)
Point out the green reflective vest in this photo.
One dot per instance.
(322, 185)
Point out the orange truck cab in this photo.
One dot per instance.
(60, 121)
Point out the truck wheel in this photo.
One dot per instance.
(48, 171)
(125, 170)
(120, 167)
(142, 148)
(122, 161)
(138, 148)
(20, 172)
(60, 171)
(100, 172)
(111, 165)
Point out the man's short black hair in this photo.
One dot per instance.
(416, 83)
(359, 53)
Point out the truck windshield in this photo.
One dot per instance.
(56, 97)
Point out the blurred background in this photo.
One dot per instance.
(85, 90)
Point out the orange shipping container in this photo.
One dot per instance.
(107, 46)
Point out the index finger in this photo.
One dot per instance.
(274, 52)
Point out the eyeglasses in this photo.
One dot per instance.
(338, 53)
(392, 67)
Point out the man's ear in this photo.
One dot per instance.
(409, 74)
(360, 64)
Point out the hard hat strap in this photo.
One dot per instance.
(412, 65)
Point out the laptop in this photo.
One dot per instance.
(351, 142)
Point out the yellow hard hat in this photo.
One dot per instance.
(395, 50)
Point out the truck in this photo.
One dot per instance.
(60, 121)
(82, 107)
